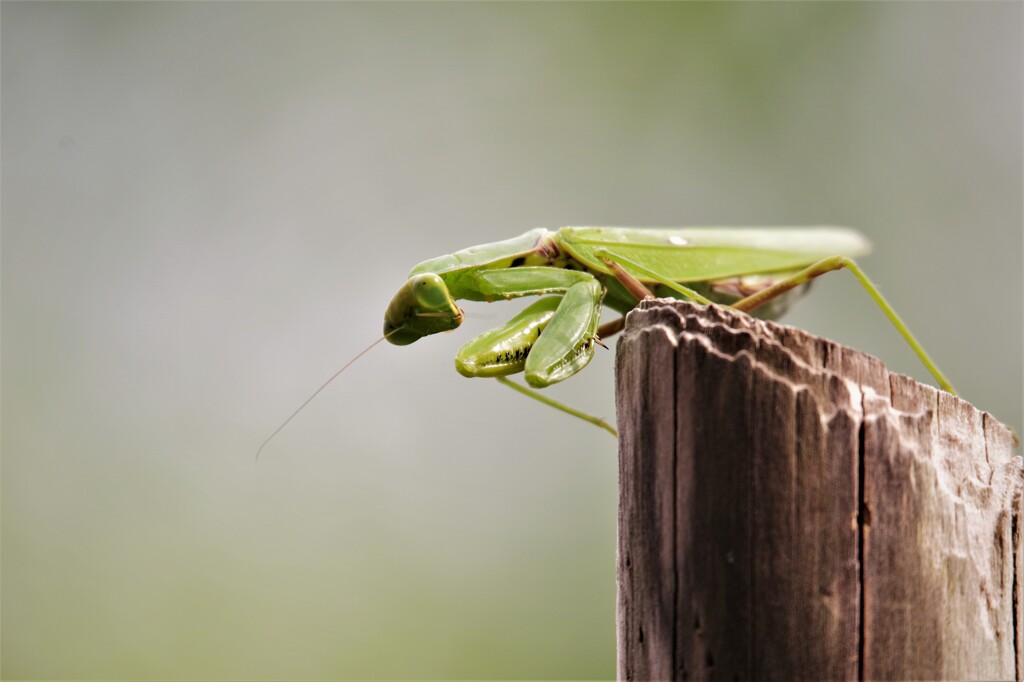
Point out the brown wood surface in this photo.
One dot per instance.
(789, 509)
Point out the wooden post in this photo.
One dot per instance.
(788, 509)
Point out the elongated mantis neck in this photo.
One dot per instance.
(316, 393)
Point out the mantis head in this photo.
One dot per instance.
(423, 306)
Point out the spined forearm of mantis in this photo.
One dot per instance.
(574, 271)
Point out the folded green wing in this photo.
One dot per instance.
(697, 254)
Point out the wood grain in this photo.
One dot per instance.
(790, 509)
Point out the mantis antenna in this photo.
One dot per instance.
(316, 393)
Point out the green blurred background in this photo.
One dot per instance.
(206, 208)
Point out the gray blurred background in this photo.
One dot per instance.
(206, 208)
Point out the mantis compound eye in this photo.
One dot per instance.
(423, 306)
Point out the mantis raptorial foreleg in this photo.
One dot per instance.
(569, 326)
(564, 347)
(507, 283)
(826, 265)
(567, 343)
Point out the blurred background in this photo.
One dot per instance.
(207, 207)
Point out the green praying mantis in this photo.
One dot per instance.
(577, 270)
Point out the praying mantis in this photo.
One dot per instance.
(577, 270)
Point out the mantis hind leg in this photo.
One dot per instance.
(827, 265)
(530, 393)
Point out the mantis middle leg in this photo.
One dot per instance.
(617, 264)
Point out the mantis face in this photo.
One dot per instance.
(421, 307)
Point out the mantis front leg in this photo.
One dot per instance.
(551, 340)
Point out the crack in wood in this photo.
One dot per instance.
(863, 519)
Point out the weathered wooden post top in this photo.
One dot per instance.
(789, 509)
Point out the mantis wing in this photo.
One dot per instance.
(700, 254)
